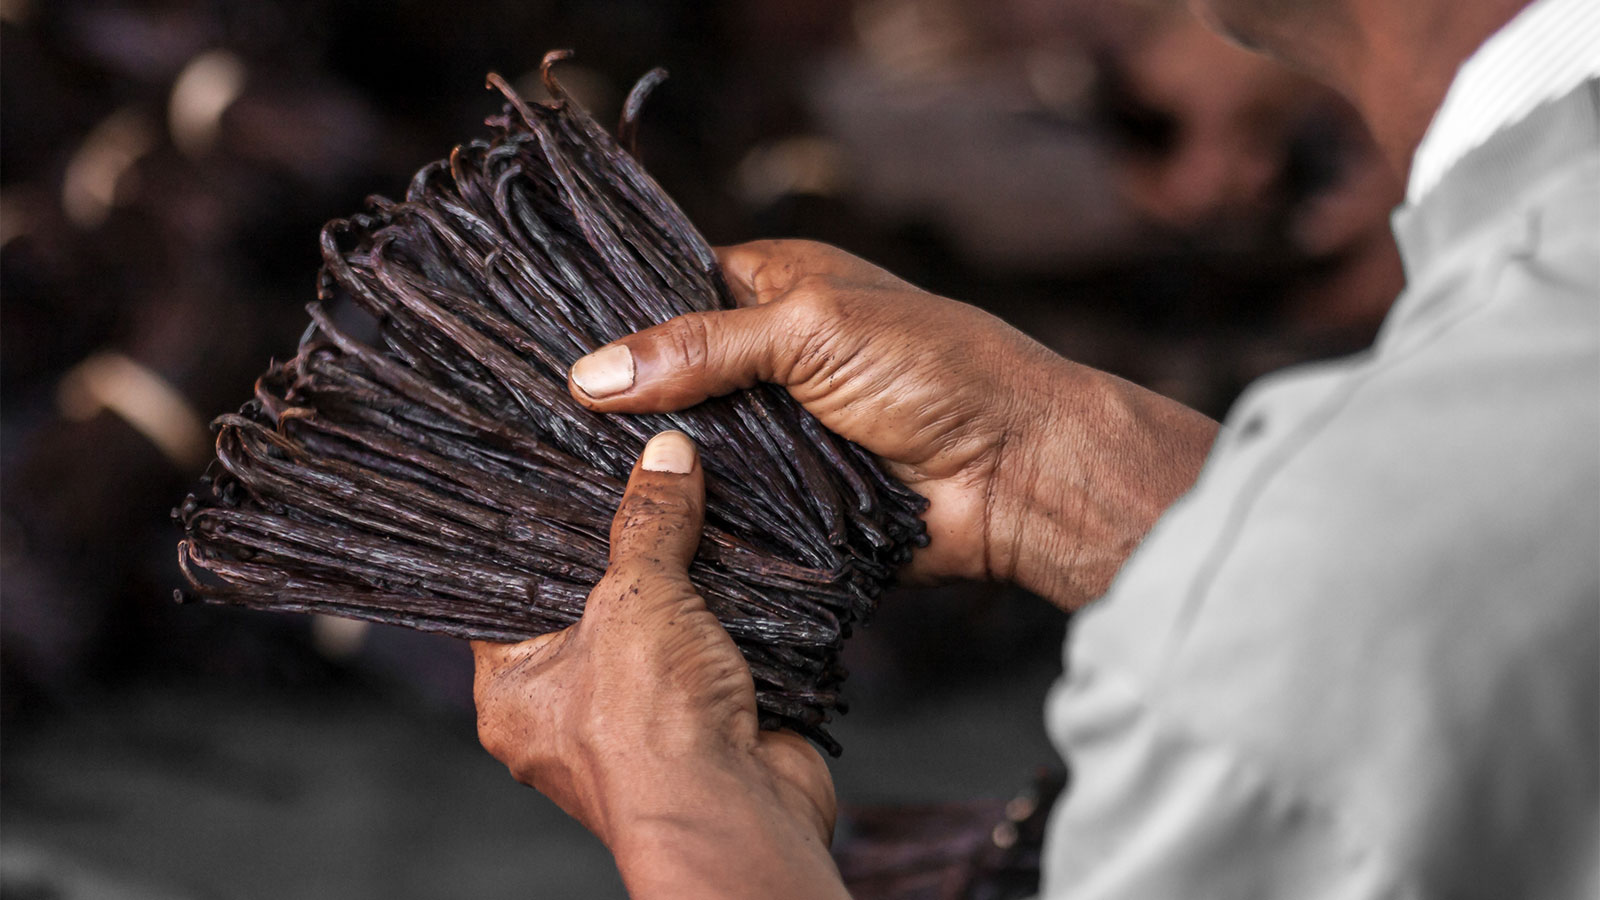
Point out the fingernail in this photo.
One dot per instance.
(604, 372)
(669, 451)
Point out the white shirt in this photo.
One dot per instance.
(1360, 660)
(1540, 55)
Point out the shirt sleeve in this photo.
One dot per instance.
(1361, 659)
(1155, 812)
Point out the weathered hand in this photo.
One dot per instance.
(640, 720)
(1037, 470)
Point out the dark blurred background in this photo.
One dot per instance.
(1132, 191)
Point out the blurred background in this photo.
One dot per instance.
(1104, 174)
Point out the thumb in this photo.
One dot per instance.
(685, 360)
(657, 527)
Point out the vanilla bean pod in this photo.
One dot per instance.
(441, 477)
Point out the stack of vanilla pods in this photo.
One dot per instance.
(441, 477)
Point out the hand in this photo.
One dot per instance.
(1037, 470)
(640, 720)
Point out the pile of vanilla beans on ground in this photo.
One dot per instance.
(441, 477)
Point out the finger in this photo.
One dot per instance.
(657, 527)
(495, 664)
(795, 762)
(685, 360)
(489, 654)
(761, 271)
(736, 275)
(493, 657)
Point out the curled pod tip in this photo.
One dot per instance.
(628, 124)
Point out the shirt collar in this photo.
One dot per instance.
(1542, 54)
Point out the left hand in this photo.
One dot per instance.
(640, 720)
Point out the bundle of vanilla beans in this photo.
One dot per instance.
(438, 475)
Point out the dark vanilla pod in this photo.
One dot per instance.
(439, 476)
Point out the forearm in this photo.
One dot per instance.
(729, 833)
(1090, 467)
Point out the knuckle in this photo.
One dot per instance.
(819, 318)
(644, 507)
(622, 578)
(807, 246)
(644, 575)
(822, 308)
(818, 294)
(809, 256)
(482, 692)
(491, 736)
(777, 273)
(688, 341)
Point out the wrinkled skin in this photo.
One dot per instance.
(645, 705)
(1003, 437)
(640, 720)
(1080, 466)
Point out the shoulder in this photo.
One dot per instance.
(1374, 625)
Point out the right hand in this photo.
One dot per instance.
(1037, 470)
